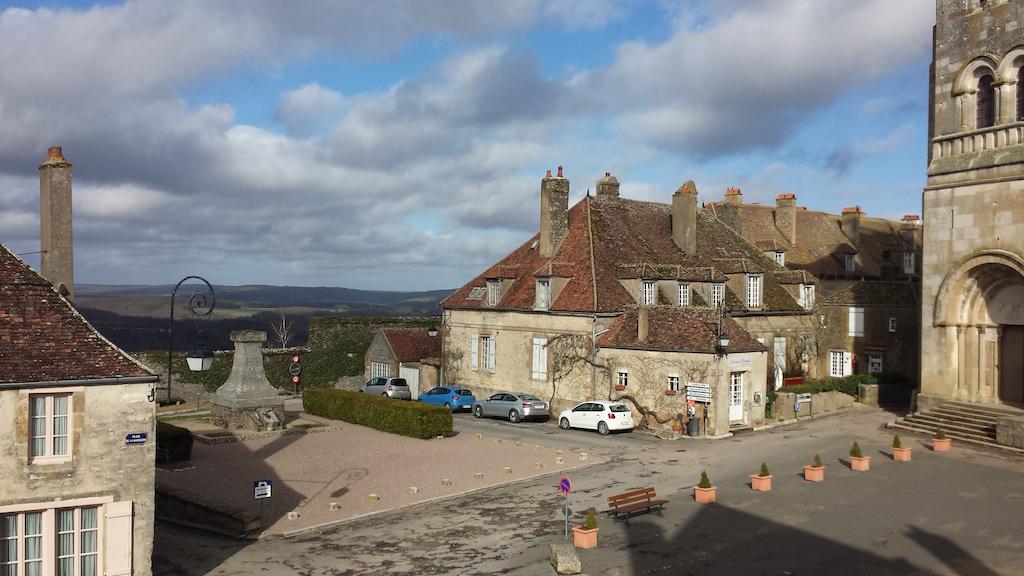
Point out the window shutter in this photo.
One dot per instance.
(490, 353)
(118, 536)
(474, 352)
(847, 363)
(860, 321)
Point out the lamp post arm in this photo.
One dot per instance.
(196, 302)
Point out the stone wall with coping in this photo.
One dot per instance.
(784, 407)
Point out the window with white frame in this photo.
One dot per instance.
(684, 293)
(49, 437)
(874, 364)
(380, 370)
(908, 262)
(807, 296)
(856, 321)
(717, 294)
(540, 358)
(754, 291)
(892, 324)
(673, 382)
(487, 347)
(493, 292)
(60, 542)
(622, 378)
(780, 257)
(850, 265)
(650, 296)
(840, 364)
(543, 294)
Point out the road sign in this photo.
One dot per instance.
(261, 489)
(565, 485)
(295, 359)
(801, 398)
(136, 438)
(295, 369)
(295, 379)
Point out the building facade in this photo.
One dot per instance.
(973, 278)
(411, 354)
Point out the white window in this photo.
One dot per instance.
(650, 293)
(908, 262)
(673, 382)
(850, 266)
(622, 378)
(493, 292)
(856, 322)
(487, 345)
(874, 364)
(807, 296)
(540, 358)
(684, 293)
(543, 294)
(780, 258)
(753, 291)
(49, 438)
(380, 370)
(474, 352)
(61, 542)
(840, 364)
(717, 294)
(892, 324)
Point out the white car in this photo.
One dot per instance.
(601, 415)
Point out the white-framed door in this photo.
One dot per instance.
(779, 359)
(736, 397)
(412, 378)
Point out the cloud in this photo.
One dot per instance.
(306, 109)
(840, 160)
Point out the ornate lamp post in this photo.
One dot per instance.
(199, 359)
(722, 339)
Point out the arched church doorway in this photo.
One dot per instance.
(1006, 310)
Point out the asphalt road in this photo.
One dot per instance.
(550, 435)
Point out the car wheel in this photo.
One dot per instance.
(478, 411)
(513, 416)
(602, 428)
(563, 423)
(448, 406)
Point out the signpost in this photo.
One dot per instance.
(698, 392)
(261, 491)
(295, 369)
(565, 486)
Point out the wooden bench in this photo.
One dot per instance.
(633, 501)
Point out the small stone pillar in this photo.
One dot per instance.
(247, 401)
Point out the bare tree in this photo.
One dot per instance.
(282, 330)
(451, 366)
(565, 353)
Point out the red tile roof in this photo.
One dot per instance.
(413, 345)
(44, 339)
(678, 329)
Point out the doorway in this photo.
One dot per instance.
(1011, 364)
(736, 397)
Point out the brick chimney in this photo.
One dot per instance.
(734, 196)
(684, 218)
(608, 186)
(851, 224)
(554, 212)
(56, 262)
(730, 211)
(641, 324)
(785, 216)
(910, 229)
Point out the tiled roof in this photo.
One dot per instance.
(413, 345)
(876, 293)
(44, 339)
(677, 329)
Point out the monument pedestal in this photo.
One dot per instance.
(247, 401)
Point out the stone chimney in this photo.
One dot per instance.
(684, 218)
(734, 196)
(608, 186)
(851, 224)
(56, 262)
(554, 212)
(785, 216)
(730, 211)
(910, 229)
(641, 324)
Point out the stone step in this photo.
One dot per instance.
(984, 409)
(956, 419)
(932, 422)
(956, 412)
(952, 433)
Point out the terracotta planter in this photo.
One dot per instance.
(705, 495)
(814, 473)
(862, 464)
(670, 392)
(901, 454)
(941, 444)
(677, 428)
(619, 387)
(761, 483)
(583, 538)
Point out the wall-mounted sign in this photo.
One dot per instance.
(740, 363)
(261, 489)
(801, 398)
(136, 438)
(698, 392)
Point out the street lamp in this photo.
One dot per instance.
(432, 331)
(199, 359)
(722, 339)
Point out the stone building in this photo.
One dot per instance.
(972, 346)
(77, 441)
(411, 354)
(860, 263)
(536, 321)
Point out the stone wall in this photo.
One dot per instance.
(784, 407)
(1010, 431)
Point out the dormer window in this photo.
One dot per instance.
(754, 291)
(493, 292)
(684, 293)
(717, 294)
(780, 257)
(650, 293)
(850, 266)
(807, 296)
(908, 262)
(543, 294)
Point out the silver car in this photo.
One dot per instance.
(390, 387)
(515, 407)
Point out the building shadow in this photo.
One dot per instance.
(950, 553)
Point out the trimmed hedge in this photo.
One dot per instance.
(847, 385)
(173, 443)
(395, 416)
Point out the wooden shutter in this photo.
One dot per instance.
(474, 351)
(118, 537)
(847, 363)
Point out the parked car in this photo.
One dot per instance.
(601, 415)
(515, 407)
(453, 399)
(390, 387)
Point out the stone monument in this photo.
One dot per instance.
(247, 401)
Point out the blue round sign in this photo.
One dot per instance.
(564, 485)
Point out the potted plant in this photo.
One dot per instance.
(670, 392)
(704, 492)
(858, 461)
(585, 535)
(814, 472)
(899, 453)
(620, 387)
(677, 425)
(762, 481)
(940, 443)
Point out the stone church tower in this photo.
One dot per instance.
(972, 345)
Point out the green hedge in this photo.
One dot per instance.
(173, 443)
(396, 416)
(847, 385)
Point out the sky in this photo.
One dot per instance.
(400, 145)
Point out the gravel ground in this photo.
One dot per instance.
(346, 465)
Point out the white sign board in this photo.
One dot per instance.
(261, 489)
(698, 392)
(740, 363)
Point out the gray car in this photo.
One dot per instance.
(515, 407)
(390, 387)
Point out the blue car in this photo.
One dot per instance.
(454, 399)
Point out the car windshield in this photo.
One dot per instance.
(529, 397)
(619, 408)
(464, 392)
(398, 382)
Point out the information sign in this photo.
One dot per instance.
(261, 489)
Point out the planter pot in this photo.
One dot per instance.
(862, 464)
(901, 454)
(941, 444)
(619, 387)
(670, 392)
(583, 538)
(705, 495)
(761, 483)
(814, 473)
(677, 428)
